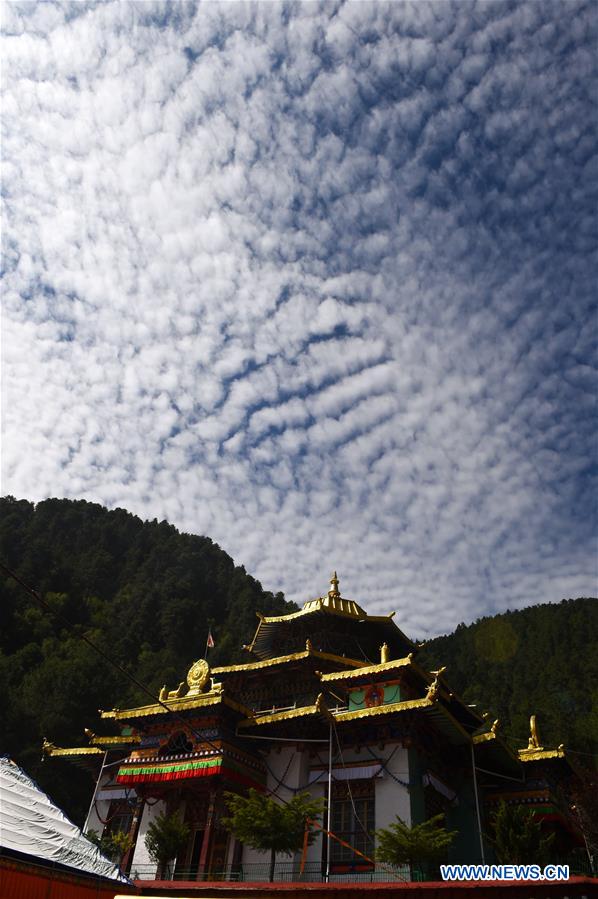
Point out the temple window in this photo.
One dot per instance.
(353, 820)
(120, 817)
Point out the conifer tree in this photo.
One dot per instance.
(416, 846)
(517, 836)
(267, 826)
(165, 837)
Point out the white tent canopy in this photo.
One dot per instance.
(31, 824)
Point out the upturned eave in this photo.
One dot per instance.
(287, 659)
(183, 704)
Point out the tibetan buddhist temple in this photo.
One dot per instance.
(331, 701)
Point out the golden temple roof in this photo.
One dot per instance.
(200, 701)
(51, 750)
(108, 742)
(386, 709)
(331, 602)
(538, 755)
(307, 653)
(318, 708)
(495, 752)
(333, 622)
(367, 670)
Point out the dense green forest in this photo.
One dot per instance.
(142, 591)
(146, 594)
(542, 660)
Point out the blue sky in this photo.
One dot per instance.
(317, 280)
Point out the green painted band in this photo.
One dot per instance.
(165, 769)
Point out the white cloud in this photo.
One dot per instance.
(315, 281)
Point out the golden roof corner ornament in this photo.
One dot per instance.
(433, 690)
(89, 733)
(47, 747)
(495, 726)
(163, 694)
(308, 645)
(334, 592)
(384, 653)
(534, 740)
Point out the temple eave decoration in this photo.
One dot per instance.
(184, 704)
(534, 752)
(366, 671)
(52, 751)
(309, 652)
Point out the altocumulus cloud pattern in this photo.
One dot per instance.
(314, 279)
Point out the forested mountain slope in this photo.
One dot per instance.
(145, 593)
(542, 660)
(141, 590)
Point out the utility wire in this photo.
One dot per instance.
(357, 818)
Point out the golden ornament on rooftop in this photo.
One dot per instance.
(198, 676)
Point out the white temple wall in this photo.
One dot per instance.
(392, 798)
(98, 811)
(99, 807)
(314, 852)
(291, 767)
(141, 860)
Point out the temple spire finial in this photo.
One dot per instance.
(334, 592)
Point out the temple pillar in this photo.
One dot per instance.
(204, 857)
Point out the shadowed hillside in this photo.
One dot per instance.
(542, 660)
(141, 590)
(146, 594)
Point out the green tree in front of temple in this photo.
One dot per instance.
(113, 845)
(418, 846)
(517, 836)
(265, 825)
(165, 837)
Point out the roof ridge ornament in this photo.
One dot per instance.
(334, 593)
(198, 676)
(534, 739)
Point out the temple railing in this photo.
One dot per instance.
(259, 872)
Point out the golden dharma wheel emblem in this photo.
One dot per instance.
(198, 675)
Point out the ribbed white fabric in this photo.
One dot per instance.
(363, 772)
(433, 781)
(31, 824)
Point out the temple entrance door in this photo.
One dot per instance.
(219, 853)
(187, 862)
(196, 845)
